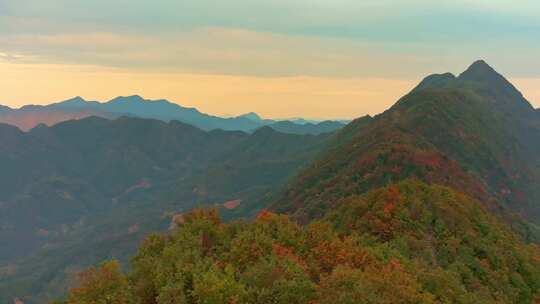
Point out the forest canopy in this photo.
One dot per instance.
(405, 243)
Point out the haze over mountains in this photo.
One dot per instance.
(28, 117)
(438, 196)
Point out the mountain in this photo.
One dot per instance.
(307, 128)
(163, 110)
(297, 126)
(30, 116)
(474, 133)
(406, 243)
(252, 116)
(85, 190)
(436, 81)
(75, 103)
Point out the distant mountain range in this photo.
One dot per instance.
(28, 117)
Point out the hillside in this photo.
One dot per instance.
(406, 243)
(475, 133)
(82, 191)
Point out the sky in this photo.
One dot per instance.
(281, 58)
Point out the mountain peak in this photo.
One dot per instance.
(480, 71)
(74, 102)
(9, 131)
(136, 97)
(4, 108)
(495, 84)
(265, 131)
(251, 116)
(481, 64)
(132, 98)
(76, 98)
(435, 81)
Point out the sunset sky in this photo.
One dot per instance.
(280, 58)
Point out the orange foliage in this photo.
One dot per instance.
(392, 198)
(288, 253)
(331, 254)
(265, 215)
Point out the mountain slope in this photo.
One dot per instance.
(92, 188)
(475, 133)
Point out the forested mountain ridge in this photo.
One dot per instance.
(92, 188)
(475, 133)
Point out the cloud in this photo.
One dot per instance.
(243, 52)
(341, 38)
(211, 50)
(366, 19)
(11, 57)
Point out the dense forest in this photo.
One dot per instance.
(405, 243)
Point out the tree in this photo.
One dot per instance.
(103, 285)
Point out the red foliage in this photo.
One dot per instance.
(288, 253)
(395, 264)
(331, 254)
(392, 197)
(429, 159)
(265, 215)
